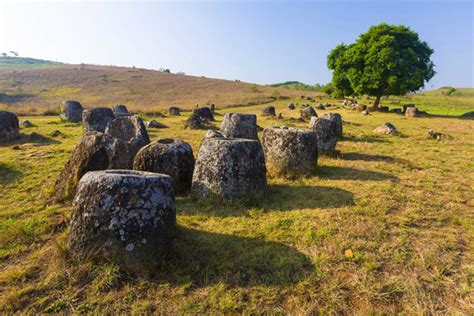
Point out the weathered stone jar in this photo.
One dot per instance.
(269, 111)
(72, 111)
(229, 168)
(173, 157)
(123, 216)
(336, 118)
(97, 119)
(120, 109)
(238, 125)
(290, 151)
(326, 134)
(9, 126)
(307, 113)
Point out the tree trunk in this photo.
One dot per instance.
(376, 103)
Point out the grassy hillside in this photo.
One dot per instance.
(296, 85)
(26, 62)
(39, 90)
(385, 227)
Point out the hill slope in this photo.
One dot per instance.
(40, 89)
(26, 62)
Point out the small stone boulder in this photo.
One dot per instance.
(320, 106)
(131, 130)
(204, 113)
(72, 111)
(291, 106)
(154, 124)
(26, 123)
(9, 127)
(237, 125)
(386, 128)
(406, 106)
(94, 152)
(193, 122)
(268, 111)
(120, 110)
(307, 112)
(175, 111)
(125, 217)
(326, 134)
(229, 168)
(336, 118)
(430, 134)
(290, 151)
(173, 157)
(365, 112)
(361, 107)
(412, 112)
(97, 119)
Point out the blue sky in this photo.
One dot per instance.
(254, 41)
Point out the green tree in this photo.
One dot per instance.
(386, 60)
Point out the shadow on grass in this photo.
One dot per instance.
(8, 173)
(366, 157)
(33, 138)
(201, 258)
(278, 198)
(365, 139)
(343, 173)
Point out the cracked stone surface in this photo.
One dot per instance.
(173, 157)
(229, 168)
(120, 109)
(123, 216)
(204, 113)
(290, 151)
(326, 134)
(97, 119)
(238, 125)
(9, 126)
(72, 111)
(336, 118)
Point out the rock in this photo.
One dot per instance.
(120, 110)
(468, 114)
(396, 111)
(361, 107)
(97, 119)
(124, 217)
(213, 108)
(238, 125)
(72, 111)
(280, 116)
(291, 106)
(230, 168)
(56, 133)
(26, 123)
(211, 134)
(383, 109)
(365, 112)
(406, 106)
(259, 128)
(94, 152)
(174, 111)
(290, 151)
(336, 118)
(386, 128)
(173, 157)
(268, 111)
(320, 106)
(412, 112)
(434, 135)
(131, 130)
(154, 124)
(193, 122)
(204, 113)
(307, 113)
(326, 134)
(9, 127)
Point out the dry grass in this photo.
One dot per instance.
(384, 227)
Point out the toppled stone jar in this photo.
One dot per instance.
(229, 168)
(290, 151)
(123, 216)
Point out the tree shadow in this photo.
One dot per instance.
(344, 173)
(277, 198)
(8, 173)
(366, 157)
(365, 139)
(202, 258)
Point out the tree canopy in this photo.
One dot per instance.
(386, 60)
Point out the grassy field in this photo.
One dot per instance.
(386, 226)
